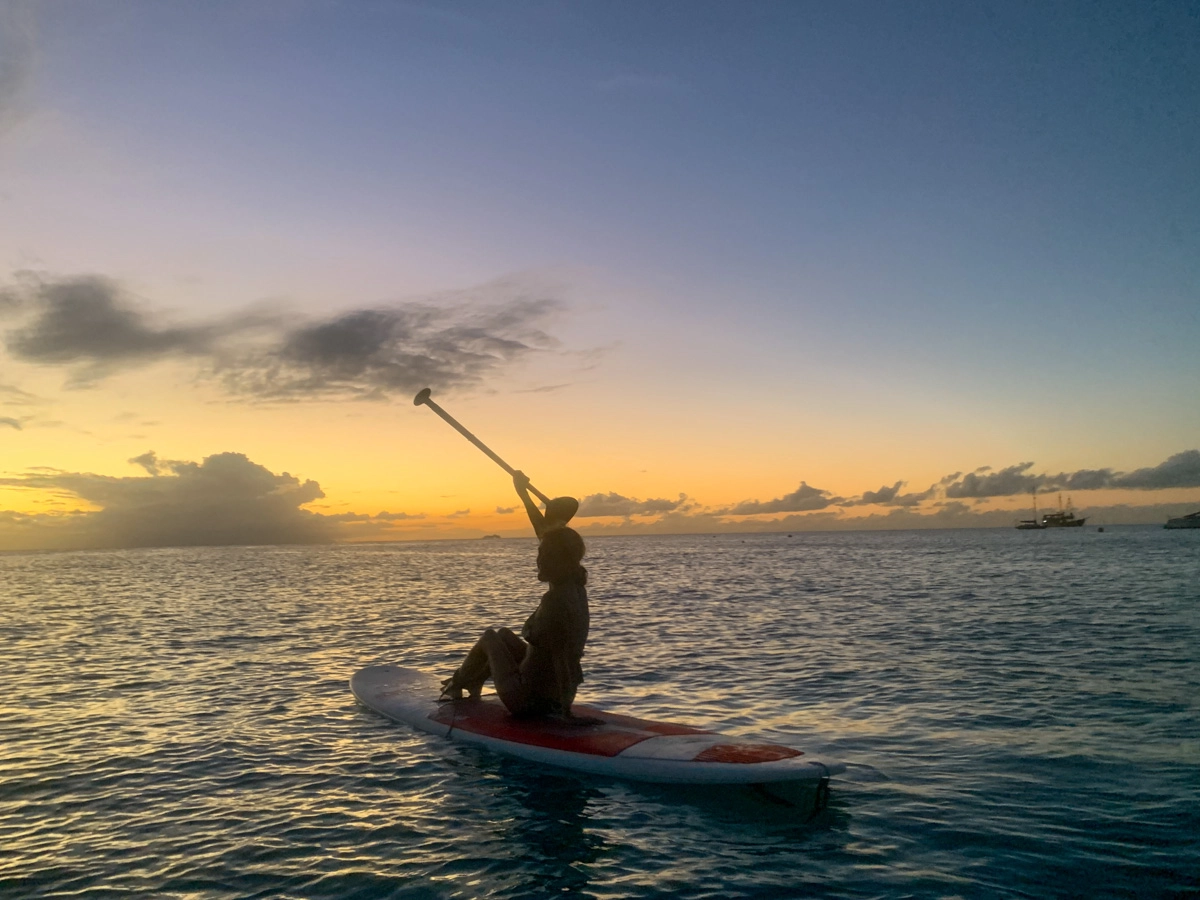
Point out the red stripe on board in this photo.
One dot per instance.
(615, 733)
(746, 753)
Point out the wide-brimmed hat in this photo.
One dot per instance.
(560, 511)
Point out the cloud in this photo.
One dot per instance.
(506, 510)
(803, 499)
(86, 322)
(612, 504)
(11, 395)
(398, 516)
(378, 517)
(884, 495)
(1004, 483)
(373, 353)
(891, 496)
(224, 500)
(88, 325)
(148, 461)
(1083, 480)
(1178, 471)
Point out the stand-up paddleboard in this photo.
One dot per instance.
(599, 742)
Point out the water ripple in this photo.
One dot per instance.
(1017, 710)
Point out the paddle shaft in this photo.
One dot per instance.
(454, 423)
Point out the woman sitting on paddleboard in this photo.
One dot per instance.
(540, 674)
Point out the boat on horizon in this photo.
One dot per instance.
(1063, 518)
(1191, 520)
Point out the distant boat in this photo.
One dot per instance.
(1064, 518)
(1191, 520)
(1031, 524)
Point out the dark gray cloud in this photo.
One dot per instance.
(612, 504)
(986, 483)
(884, 495)
(89, 326)
(914, 499)
(891, 496)
(505, 510)
(224, 500)
(1083, 480)
(1179, 471)
(10, 422)
(803, 499)
(148, 461)
(374, 353)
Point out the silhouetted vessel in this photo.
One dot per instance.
(1064, 518)
(1031, 524)
(1191, 520)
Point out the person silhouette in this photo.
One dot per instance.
(537, 672)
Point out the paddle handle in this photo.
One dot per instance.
(423, 399)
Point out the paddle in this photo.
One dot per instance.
(559, 510)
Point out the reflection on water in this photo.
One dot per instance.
(1018, 712)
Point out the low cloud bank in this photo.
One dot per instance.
(224, 500)
(1179, 471)
(612, 504)
(955, 501)
(92, 328)
(803, 499)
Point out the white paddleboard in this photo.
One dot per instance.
(611, 744)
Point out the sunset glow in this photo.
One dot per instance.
(805, 272)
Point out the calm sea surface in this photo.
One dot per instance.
(1019, 711)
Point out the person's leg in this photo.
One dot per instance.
(473, 672)
(505, 651)
(496, 655)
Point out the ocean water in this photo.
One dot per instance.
(1019, 712)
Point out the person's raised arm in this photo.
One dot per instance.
(521, 483)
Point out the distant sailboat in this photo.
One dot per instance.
(1031, 524)
(1064, 518)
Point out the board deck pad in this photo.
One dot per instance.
(609, 736)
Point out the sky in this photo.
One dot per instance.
(763, 266)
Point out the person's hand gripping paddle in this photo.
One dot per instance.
(559, 510)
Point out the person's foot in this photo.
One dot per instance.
(450, 690)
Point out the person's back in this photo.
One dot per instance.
(557, 634)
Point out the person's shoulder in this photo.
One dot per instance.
(566, 590)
